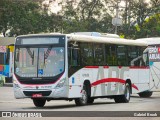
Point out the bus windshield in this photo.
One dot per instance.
(39, 62)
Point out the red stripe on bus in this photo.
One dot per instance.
(120, 66)
(134, 86)
(111, 80)
(91, 67)
(105, 66)
(131, 67)
(95, 66)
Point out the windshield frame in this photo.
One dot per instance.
(37, 79)
(38, 47)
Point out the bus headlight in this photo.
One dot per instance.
(60, 84)
(15, 84)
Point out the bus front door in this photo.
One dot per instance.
(154, 63)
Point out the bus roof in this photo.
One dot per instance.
(84, 38)
(41, 34)
(103, 39)
(150, 41)
(97, 34)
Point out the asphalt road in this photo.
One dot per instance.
(9, 103)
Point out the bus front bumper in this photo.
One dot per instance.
(20, 93)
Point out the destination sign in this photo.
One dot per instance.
(41, 40)
(154, 54)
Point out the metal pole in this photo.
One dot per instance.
(126, 12)
(117, 10)
(129, 12)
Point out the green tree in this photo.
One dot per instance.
(26, 17)
(21, 17)
(137, 12)
(4, 25)
(150, 27)
(87, 16)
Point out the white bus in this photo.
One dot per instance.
(6, 57)
(80, 67)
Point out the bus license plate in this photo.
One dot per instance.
(37, 95)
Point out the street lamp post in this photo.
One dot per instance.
(116, 21)
(117, 11)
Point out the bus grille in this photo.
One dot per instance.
(30, 93)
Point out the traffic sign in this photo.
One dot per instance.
(117, 21)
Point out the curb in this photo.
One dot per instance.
(8, 85)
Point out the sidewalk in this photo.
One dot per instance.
(8, 85)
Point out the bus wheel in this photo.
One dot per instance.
(39, 102)
(90, 100)
(83, 100)
(145, 94)
(124, 98)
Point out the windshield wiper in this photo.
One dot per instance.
(30, 54)
(47, 53)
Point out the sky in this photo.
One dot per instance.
(55, 8)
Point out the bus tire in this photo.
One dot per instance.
(83, 100)
(145, 94)
(39, 102)
(90, 100)
(124, 98)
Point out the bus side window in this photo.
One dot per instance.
(86, 53)
(122, 55)
(99, 57)
(73, 56)
(145, 57)
(7, 56)
(69, 55)
(138, 58)
(111, 53)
